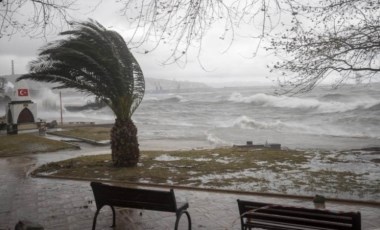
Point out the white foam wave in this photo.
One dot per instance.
(8, 87)
(282, 101)
(47, 100)
(150, 98)
(245, 122)
(101, 116)
(77, 100)
(166, 98)
(214, 140)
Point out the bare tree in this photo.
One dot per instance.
(342, 41)
(33, 17)
(318, 39)
(184, 23)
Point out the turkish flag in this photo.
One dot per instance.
(23, 92)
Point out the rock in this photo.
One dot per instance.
(52, 124)
(28, 225)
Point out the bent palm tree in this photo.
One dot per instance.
(97, 61)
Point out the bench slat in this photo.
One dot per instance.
(299, 221)
(142, 205)
(298, 210)
(269, 225)
(309, 215)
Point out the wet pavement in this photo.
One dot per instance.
(66, 204)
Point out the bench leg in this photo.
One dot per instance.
(113, 217)
(94, 221)
(179, 217)
(96, 216)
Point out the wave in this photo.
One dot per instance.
(169, 98)
(47, 100)
(308, 104)
(375, 107)
(334, 97)
(246, 123)
(214, 140)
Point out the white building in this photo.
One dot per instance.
(21, 109)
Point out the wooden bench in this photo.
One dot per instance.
(281, 217)
(156, 200)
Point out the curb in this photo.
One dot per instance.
(89, 141)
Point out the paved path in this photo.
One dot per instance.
(65, 204)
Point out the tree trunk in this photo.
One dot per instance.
(124, 144)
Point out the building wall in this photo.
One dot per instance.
(16, 108)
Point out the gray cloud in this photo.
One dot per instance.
(231, 66)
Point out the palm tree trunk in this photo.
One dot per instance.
(124, 144)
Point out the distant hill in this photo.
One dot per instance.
(152, 85)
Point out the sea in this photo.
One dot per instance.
(323, 122)
(325, 118)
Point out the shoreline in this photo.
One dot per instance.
(206, 139)
(191, 143)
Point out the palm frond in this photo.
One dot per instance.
(93, 60)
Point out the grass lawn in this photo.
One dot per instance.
(13, 145)
(261, 170)
(180, 167)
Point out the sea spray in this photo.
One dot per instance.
(211, 117)
(216, 141)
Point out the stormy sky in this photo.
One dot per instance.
(214, 66)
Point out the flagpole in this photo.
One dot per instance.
(60, 103)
